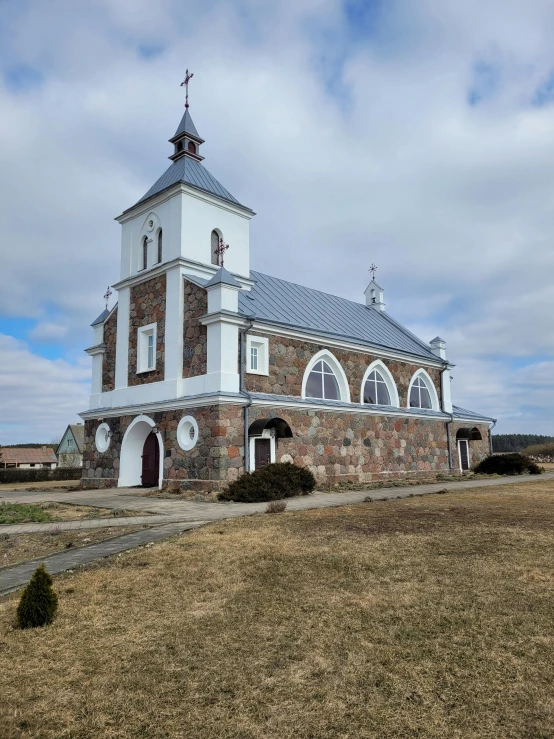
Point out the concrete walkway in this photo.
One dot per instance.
(179, 515)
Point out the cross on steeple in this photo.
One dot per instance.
(373, 270)
(220, 251)
(107, 296)
(185, 82)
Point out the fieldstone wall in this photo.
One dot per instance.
(288, 359)
(478, 450)
(147, 306)
(195, 336)
(108, 363)
(336, 446)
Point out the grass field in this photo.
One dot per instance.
(51, 512)
(419, 618)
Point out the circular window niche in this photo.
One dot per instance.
(103, 437)
(187, 433)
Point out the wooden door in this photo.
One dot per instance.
(464, 454)
(262, 452)
(151, 461)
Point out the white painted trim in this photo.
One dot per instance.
(430, 387)
(388, 378)
(131, 453)
(101, 444)
(94, 350)
(183, 437)
(336, 366)
(187, 266)
(163, 405)
(233, 319)
(174, 316)
(369, 410)
(446, 391)
(263, 366)
(460, 455)
(266, 434)
(276, 330)
(142, 351)
(122, 338)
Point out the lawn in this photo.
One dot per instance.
(51, 512)
(419, 618)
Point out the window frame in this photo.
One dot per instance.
(431, 389)
(143, 263)
(338, 371)
(143, 334)
(386, 374)
(261, 343)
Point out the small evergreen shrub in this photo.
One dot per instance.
(507, 464)
(272, 482)
(39, 603)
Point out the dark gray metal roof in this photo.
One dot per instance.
(187, 126)
(101, 318)
(222, 277)
(190, 172)
(280, 302)
(464, 413)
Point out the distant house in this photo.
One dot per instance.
(25, 457)
(70, 449)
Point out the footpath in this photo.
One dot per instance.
(169, 517)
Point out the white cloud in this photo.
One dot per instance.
(350, 148)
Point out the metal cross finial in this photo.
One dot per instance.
(185, 82)
(220, 251)
(107, 296)
(373, 270)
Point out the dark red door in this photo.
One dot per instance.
(262, 452)
(151, 461)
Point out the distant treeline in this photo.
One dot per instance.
(517, 442)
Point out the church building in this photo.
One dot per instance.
(205, 369)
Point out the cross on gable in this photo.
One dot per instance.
(185, 82)
(220, 251)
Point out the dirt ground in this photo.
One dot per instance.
(420, 618)
(16, 548)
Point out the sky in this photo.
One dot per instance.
(414, 134)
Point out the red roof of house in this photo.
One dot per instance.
(26, 455)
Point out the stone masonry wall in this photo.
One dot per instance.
(337, 447)
(108, 363)
(147, 306)
(195, 336)
(478, 450)
(288, 359)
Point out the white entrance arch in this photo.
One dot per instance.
(130, 461)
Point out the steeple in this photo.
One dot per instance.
(186, 140)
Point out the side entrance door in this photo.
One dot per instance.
(464, 454)
(150, 461)
(262, 452)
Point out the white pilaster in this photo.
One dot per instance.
(446, 392)
(122, 344)
(174, 312)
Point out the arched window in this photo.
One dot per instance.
(179, 146)
(420, 397)
(376, 391)
(215, 245)
(191, 147)
(145, 252)
(322, 382)
(160, 245)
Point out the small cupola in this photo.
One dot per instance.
(438, 347)
(374, 296)
(186, 140)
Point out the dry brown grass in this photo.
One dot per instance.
(423, 618)
(71, 512)
(16, 548)
(57, 485)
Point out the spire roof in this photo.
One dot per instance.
(187, 126)
(223, 277)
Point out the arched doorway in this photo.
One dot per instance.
(263, 436)
(463, 437)
(141, 457)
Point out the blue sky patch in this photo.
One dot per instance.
(544, 93)
(22, 78)
(485, 83)
(150, 51)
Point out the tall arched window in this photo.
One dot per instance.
(322, 382)
(145, 252)
(375, 389)
(420, 397)
(214, 247)
(160, 245)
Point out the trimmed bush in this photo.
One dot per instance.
(39, 603)
(40, 474)
(507, 464)
(272, 482)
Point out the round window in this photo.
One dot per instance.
(187, 433)
(103, 437)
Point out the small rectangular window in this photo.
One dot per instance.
(257, 355)
(146, 348)
(254, 357)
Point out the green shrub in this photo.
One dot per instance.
(507, 464)
(39, 603)
(39, 474)
(272, 482)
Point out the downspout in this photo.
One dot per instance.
(490, 435)
(242, 361)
